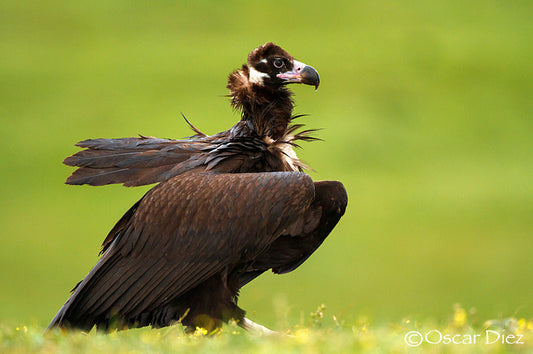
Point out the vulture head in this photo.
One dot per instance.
(270, 65)
(259, 89)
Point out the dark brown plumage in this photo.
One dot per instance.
(228, 208)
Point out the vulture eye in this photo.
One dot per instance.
(278, 63)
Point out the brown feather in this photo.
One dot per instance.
(179, 238)
(228, 207)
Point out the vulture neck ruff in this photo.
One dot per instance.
(267, 107)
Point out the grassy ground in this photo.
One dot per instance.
(460, 334)
(426, 114)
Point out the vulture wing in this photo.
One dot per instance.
(134, 161)
(304, 236)
(181, 233)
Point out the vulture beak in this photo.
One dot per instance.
(301, 73)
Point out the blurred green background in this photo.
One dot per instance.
(427, 113)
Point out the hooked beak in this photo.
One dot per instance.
(301, 73)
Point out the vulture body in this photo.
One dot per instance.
(227, 208)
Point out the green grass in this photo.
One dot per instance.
(426, 114)
(461, 333)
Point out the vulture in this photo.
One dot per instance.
(227, 208)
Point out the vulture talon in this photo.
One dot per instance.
(251, 326)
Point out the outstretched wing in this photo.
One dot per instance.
(134, 161)
(181, 233)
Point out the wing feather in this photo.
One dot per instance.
(133, 161)
(182, 232)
